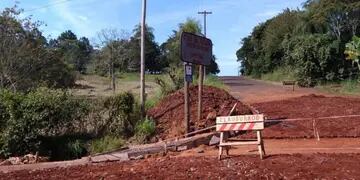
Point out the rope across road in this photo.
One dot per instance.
(267, 120)
(312, 118)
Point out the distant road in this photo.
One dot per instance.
(254, 91)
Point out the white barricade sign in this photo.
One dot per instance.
(241, 123)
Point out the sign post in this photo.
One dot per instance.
(187, 81)
(241, 123)
(194, 49)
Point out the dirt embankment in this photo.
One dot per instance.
(169, 113)
(312, 166)
(312, 106)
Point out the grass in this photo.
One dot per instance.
(97, 86)
(279, 75)
(346, 87)
(213, 80)
(106, 144)
(136, 77)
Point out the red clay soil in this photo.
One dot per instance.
(169, 113)
(311, 166)
(312, 106)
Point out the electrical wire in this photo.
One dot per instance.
(48, 5)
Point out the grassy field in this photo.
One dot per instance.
(94, 86)
(279, 75)
(346, 87)
(97, 86)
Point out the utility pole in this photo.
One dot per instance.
(142, 66)
(201, 70)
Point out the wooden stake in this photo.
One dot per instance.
(201, 80)
(186, 104)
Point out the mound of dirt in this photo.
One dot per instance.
(312, 106)
(169, 113)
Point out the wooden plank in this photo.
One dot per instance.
(289, 82)
(240, 119)
(240, 127)
(239, 143)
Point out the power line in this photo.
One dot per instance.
(48, 5)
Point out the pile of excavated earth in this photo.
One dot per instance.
(169, 113)
(309, 112)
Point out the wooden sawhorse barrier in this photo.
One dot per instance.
(240, 123)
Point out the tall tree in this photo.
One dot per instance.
(108, 40)
(74, 51)
(152, 51)
(25, 61)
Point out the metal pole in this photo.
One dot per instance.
(142, 63)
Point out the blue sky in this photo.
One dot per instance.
(230, 22)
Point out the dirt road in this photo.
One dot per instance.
(254, 91)
(297, 166)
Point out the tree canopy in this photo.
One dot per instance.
(310, 41)
(25, 59)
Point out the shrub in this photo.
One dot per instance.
(64, 147)
(165, 87)
(312, 57)
(105, 144)
(42, 112)
(144, 130)
(120, 109)
(213, 80)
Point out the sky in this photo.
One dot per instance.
(231, 20)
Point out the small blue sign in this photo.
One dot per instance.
(188, 73)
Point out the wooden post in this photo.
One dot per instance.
(201, 80)
(186, 104)
(220, 145)
(260, 146)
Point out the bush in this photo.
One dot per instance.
(146, 127)
(144, 130)
(120, 109)
(64, 147)
(42, 112)
(280, 74)
(312, 57)
(213, 80)
(106, 144)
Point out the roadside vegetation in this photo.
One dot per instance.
(66, 97)
(315, 45)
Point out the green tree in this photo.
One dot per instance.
(152, 51)
(112, 43)
(25, 60)
(353, 50)
(74, 51)
(285, 40)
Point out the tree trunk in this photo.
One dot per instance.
(112, 77)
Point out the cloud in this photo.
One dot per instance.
(83, 18)
(72, 18)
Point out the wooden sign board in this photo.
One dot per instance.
(195, 49)
(252, 126)
(240, 119)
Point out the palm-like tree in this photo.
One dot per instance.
(353, 50)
